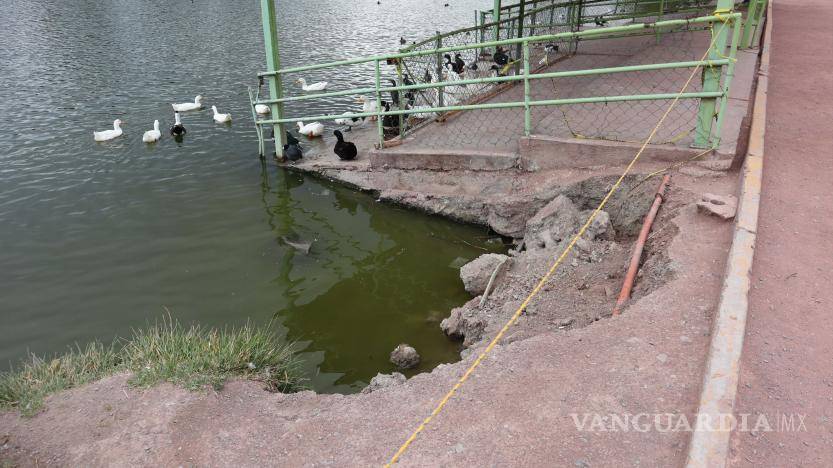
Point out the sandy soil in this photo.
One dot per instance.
(515, 410)
(786, 368)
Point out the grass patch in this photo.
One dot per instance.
(193, 357)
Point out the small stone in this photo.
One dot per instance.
(384, 380)
(722, 206)
(404, 356)
(685, 339)
(566, 322)
(662, 357)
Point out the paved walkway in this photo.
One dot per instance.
(787, 366)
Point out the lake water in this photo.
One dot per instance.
(99, 238)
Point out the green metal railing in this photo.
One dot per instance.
(752, 22)
(718, 72)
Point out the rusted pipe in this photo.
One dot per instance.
(625, 294)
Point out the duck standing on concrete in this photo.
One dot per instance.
(500, 57)
(345, 150)
(311, 130)
(390, 121)
(292, 149)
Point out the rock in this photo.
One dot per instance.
(662, 357)
(722, 206)
(476, 274)
(566, 322)
(404, 356)
(384, 380)
(600, 227)
(464, 324)
(556, 221)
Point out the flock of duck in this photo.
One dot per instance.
(154, 135)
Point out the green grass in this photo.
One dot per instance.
(168, 352)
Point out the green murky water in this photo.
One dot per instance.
(97, 239)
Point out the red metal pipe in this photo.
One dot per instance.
(627, 286)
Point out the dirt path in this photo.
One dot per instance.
(786, 366)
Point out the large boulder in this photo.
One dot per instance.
(556, 221)
(476, 273)
(384, 380)
(404, 356)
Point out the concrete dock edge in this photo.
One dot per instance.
(709, 444)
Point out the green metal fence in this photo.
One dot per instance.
(521, 78)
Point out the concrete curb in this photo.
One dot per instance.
(709, 445)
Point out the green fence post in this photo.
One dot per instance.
(439, 70)
(527, 108)
(401, 95)
(496, 20)
(727, 82)
(273, 63)
(379, 118)
(711, 81)
(748, 22)
(482, 29)
(518, 50)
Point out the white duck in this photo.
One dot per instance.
(220, 118)
(311, 130)
(262, 109)
(368, 105)
(350, 122)
(189, 106)
(320, 86)
(152, 135)
(109, 134)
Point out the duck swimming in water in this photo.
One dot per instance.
(345, 150)
(109, 134)
(320, 86)
(220, 118)
(151, 136)
(188, 106)
(177, 129)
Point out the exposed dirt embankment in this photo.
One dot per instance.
(564, 356)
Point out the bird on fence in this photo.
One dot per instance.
(311, 130)
(345, 150)
(154, 135)
(109, 134)
(177, 129)
(292, 149)
(402, 40)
